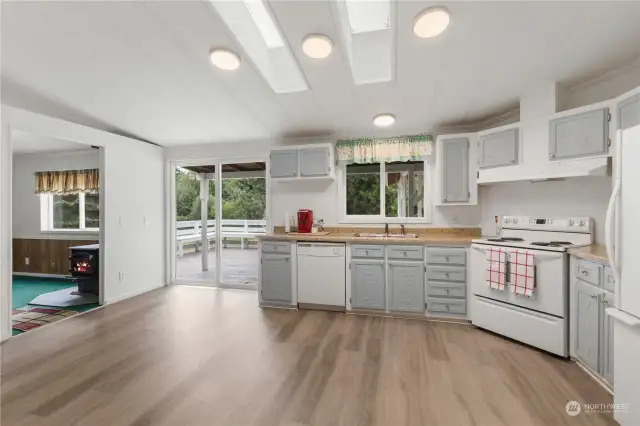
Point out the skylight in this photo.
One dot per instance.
(368, 15)
(265, 24)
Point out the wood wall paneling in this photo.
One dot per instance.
(46, 256)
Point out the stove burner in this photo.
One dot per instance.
(505, 239)
(551, 243)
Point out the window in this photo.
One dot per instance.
(385, 192)
(70, 212)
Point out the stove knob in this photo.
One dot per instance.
(515, 220)
(582, 223)
(507, 220)
(571, 223)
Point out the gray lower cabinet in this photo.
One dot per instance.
(607, 340)
(368, 284)
(276, 278)
(579, 135)
(588, 324)
(406, 285)
(447, 281)
(498, 149)
(315, 162)
(629, 112)
(455, 170)
(284, 163)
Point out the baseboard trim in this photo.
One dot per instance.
(39, 275)
(132, 294)
(595, 376)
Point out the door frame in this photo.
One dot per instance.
(171, 216)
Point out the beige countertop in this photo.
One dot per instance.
(431, 238)
(595, 252)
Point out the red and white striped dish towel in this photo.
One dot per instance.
(523, 272)
(496, 269)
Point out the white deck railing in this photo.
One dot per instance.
(190, 232)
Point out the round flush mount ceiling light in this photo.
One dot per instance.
(384, 120)
(225, 59)
(431, 22)
(317, 46)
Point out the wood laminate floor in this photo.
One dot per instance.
(187, 356)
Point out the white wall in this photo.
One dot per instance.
(132, 203)
(585, 196)
(26, 204)
(319, 196)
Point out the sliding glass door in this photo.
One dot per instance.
(233, 202)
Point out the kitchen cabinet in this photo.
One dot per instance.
(579, 135)
(607, 339)
(406, 284)
(284, 163)
(498, 149)
(276, 278)
(315, 162)
(629, 112)
(455, 170)
(368, 284)
(446, 281)
(588, 310)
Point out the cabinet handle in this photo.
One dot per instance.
(405, 253)
(446, 258)
(593, 296)
(552, 156)
(584, 272)
(447, 290)
(604, 302)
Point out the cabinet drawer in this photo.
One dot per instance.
(405, 252)
(447, 306)
(446, 256)
(609, 283)
(367, 251)
(276, 247)
(446, 289)
(589, 271)
(447, 273)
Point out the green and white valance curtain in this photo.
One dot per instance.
(377, 150)
(68, 182)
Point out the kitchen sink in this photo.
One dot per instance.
(372, 235)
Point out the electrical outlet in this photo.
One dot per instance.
(26, 260)
(121, 276)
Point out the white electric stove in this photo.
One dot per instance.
(540, 320)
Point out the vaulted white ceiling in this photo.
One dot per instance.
(142, 68)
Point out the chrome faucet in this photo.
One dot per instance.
(402, 230)
(386, 229)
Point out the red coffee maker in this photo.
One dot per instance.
(305, 220)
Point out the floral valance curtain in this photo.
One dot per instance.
(376, 150)
(67, 182)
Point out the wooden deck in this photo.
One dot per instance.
(239, 267)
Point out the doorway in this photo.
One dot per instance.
(234, 202)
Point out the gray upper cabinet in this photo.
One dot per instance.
(587, 324)
(629, 112)
(579, 135)
(607, 340)
(368, 284)
(284, 163)
(498, 149)
(314, 162)
(406, 283)
(455, 170)
(276, 278)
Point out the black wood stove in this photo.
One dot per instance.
(85, 267)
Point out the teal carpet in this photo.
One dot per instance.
(25, 289)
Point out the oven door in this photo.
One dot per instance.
(550, 293)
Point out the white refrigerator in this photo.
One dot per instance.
(622, 235)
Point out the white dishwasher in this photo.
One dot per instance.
(321, 276)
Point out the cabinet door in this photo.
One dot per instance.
(406, 283)
(587, 324)
(579, 135)
(629, 112)
(498, 149)
(315, 162)
(276, 278)
(455, 170)
(284, 163)
(607, 340)
(367, 284)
